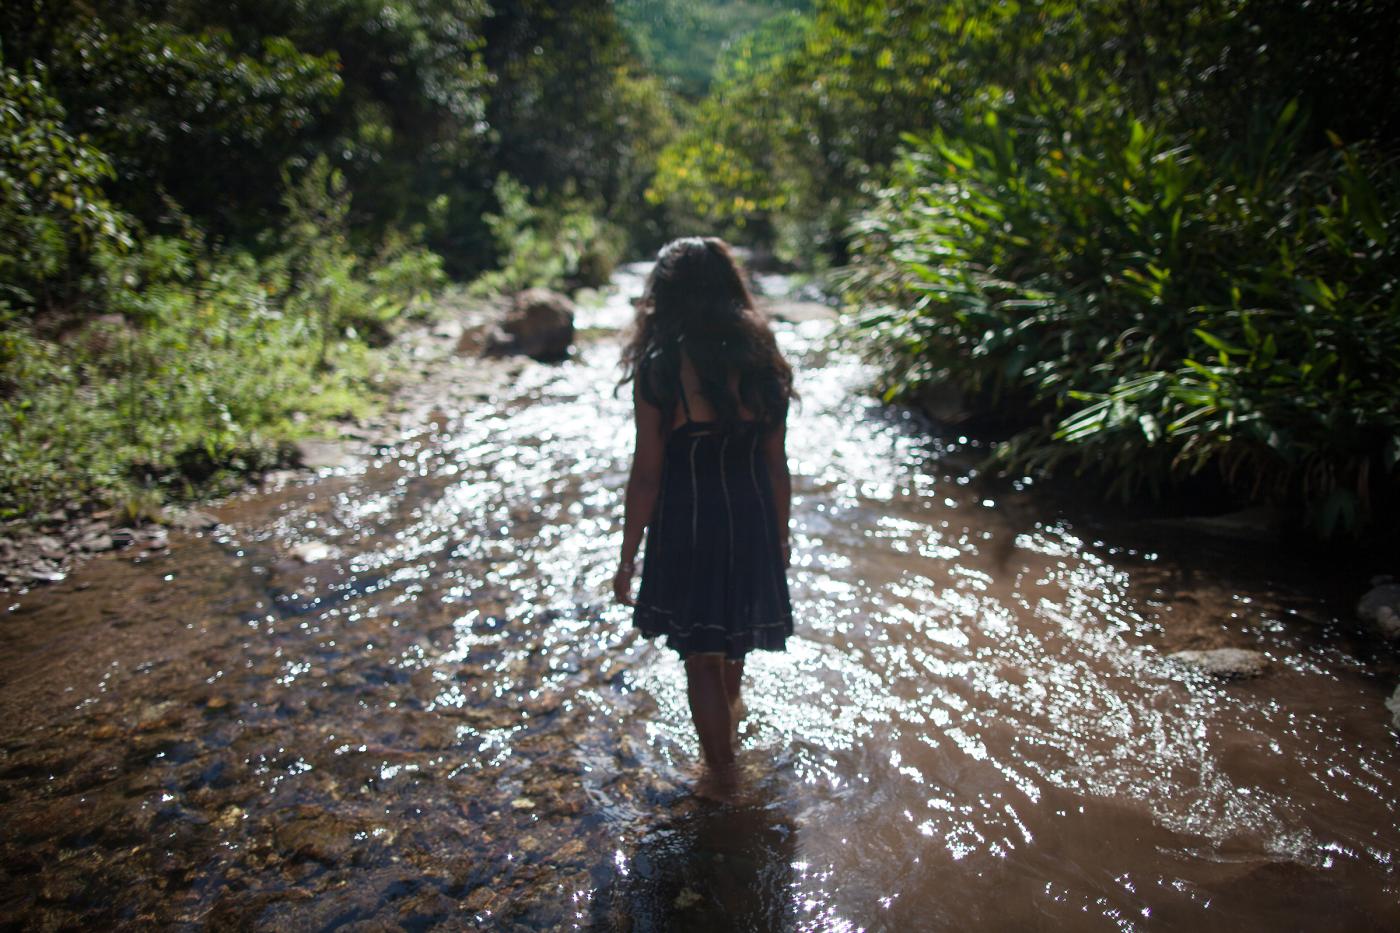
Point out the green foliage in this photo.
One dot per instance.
(561, 245)
(810, 108)
(572, 112)
(327, 280)
(206, 103)
(809, 111)
(185, 277)
(206, 360)
(184, 107)
(684, 41)
(1174, 311)
(1167, 228)
(52, 206)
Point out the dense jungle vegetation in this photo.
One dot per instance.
(1157, 240)
(212, 213)
(1151, 241)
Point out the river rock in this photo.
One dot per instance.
(1224, 662)
(324, 837)
(311, 552)
(539, 324)
(190, 520)
(44, 572)
(1381, 608)
(318, 455)
(1393, 704)
(158, 715)
(448, 329)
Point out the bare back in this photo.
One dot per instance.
(700, 407)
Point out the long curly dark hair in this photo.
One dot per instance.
(696, 301)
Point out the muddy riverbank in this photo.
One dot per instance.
(395, 694)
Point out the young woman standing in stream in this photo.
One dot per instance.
(709, 484)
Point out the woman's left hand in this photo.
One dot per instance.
(622, 585)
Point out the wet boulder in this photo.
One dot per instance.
(1226, 663)
(539, 324)
(1381, 608)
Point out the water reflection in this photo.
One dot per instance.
(435, 717)
(714, 866)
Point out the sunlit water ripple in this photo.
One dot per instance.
(446, 722)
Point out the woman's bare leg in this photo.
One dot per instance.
(709, 707)
(733, 681)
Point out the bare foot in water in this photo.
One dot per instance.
(719, 783)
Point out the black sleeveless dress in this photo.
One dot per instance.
(713, 579)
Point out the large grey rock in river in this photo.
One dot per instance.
(1381, 608)
(539, 324)
(1224, 662)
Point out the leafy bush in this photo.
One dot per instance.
(327, 281)
(52, 206)
(206, 361)
(563, 245)
(1175, 311)
(168, 310)
(1109, 213)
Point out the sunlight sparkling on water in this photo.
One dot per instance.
(975, 724)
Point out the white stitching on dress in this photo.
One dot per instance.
(694, 495)
(728, 511)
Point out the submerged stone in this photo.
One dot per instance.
(311, 552)
(1224, 662)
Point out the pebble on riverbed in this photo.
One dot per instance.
(313, 552)
(1224, 662)
(46, 554)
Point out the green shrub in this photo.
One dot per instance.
(206, 361)
(1174, 311)
(561, 245)
(52, 205)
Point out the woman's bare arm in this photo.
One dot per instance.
(775, 456)
(643, 486)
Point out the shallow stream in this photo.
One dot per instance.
(442, 721)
